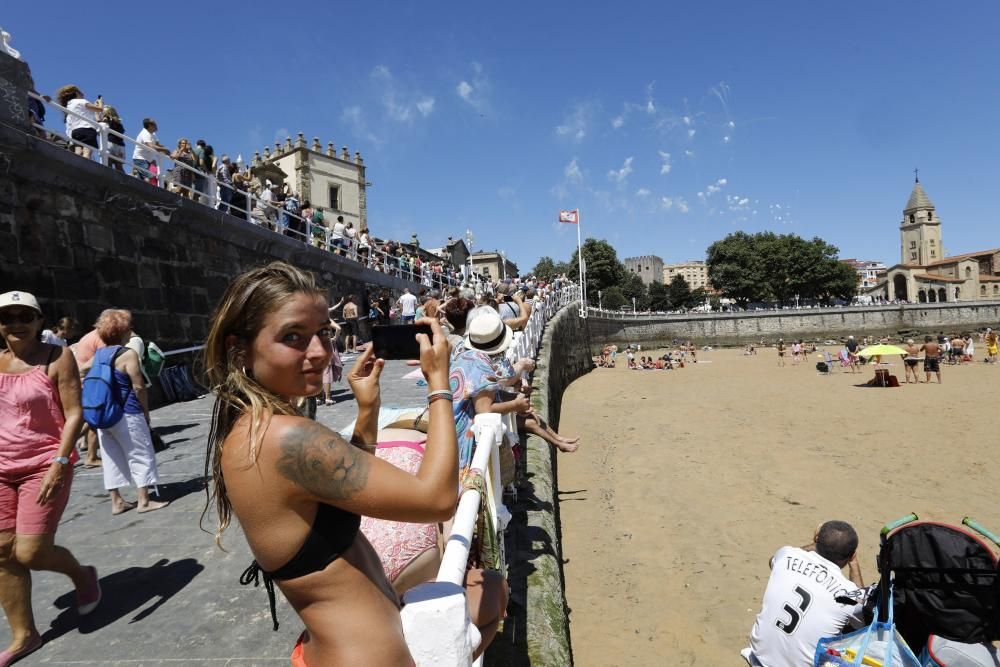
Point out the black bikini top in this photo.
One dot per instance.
(332, 533)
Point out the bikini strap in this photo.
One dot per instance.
(252, 575)
(52, 352)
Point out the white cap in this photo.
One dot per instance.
(9, 299)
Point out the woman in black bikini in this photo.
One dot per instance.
(297, 488)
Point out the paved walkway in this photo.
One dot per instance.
(171, 597)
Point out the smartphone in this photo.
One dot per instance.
(398, 341)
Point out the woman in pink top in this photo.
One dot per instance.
(41, 417)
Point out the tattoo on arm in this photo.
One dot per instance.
(323, 463)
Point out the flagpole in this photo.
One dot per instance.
(579, 257)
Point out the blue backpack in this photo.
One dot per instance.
(102, 405)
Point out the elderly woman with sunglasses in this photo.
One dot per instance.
(41, 416)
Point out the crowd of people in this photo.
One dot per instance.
(682, 352)
(198, 174)
(358, 520)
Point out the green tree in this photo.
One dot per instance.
(659, 298)
(679, 293)
(603, 268)
(736, 270)
(613, 299)
(768, 266)
(634, 288)
(545, 269)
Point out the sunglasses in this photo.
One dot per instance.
(24, 317)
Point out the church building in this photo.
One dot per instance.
(925, 274)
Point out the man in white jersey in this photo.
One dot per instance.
(800, 603)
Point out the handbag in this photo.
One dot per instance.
(878, 645)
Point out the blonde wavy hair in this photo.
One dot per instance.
(234, 325)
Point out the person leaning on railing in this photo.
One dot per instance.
(116, 144)
(298, 488)
(81, 124)
(147, 146)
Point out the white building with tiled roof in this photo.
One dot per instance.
(925, 274)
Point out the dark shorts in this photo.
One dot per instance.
(932, 365)
(350, 328)
(911, 362)
(86, 136)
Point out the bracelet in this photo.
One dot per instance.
(440, 393)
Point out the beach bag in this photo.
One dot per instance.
(878, 644)
(822, 367)
(102, 406)
(152, 360)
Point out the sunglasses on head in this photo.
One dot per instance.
(24, 317)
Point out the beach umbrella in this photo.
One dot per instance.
(881, 350)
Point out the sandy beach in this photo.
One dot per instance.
(688, 481)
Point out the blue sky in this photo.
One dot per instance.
(669, 125)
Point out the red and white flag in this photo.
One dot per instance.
(572, 217)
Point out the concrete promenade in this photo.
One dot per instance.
(171, 597)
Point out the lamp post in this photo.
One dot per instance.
(503, 263)
(469, 240)
(600, 304)
(633, 305)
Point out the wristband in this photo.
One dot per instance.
(443, 394)
(60, 459)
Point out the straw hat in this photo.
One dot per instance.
(487, 332)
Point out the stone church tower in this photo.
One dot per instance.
(920, 231)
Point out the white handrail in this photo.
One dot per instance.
(488, 430)
(271, 214)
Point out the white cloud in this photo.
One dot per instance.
(642, 193)
(689, 153)
(691, 133)
(650, 107)
(666, 166)
(572, 172)
(722, 181)
(425, 106)
(712, 189)
(617, 121)
(726, 139)
(679, 203)
(475, 91)
(686, 120)
(620, 175)
(400, 104)
(731, 124)
(354, 118)
(576, 123)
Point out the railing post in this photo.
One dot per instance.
(103, 153)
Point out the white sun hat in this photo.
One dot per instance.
(486, 332)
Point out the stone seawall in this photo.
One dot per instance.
(741, 328)
(538, 626)
(83, 237)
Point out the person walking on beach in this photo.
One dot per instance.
(932, 358)
(41, 416)
(910, 361)
(781, 352)
(991, 346)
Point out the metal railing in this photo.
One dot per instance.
(242, 203)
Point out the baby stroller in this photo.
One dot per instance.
(945, 590)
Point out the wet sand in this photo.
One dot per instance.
(688, 481)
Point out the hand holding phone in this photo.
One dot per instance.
(399, 341)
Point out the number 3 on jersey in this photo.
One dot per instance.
(795, 613)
